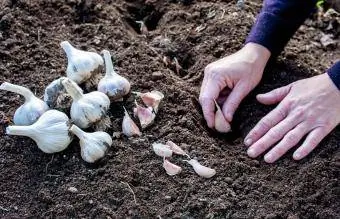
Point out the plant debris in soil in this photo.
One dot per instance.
(130, 181)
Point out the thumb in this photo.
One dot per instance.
(233, 101)
(274, 96)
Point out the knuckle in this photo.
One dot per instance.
(299, 112)
(274, 133)
(264, 124)
(292, 138)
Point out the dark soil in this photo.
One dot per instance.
(34, 184)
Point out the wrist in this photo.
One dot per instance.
(256, 54)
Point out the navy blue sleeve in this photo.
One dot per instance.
(278, 21)
(334, 73)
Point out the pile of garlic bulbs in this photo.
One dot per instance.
(47, 123)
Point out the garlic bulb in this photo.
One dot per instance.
(129, 127)
(151, 99)
(31, 110)
(81, 65)
(56, 96)
(86, 109)
(170, 168)
(113, 85)
(176, 149)
(146, 116)
(221, 124)
(50, 132)
(201, 170)
(162, 150)
(93, 145)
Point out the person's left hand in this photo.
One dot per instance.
(307, 107)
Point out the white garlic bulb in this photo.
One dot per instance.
(31, 110)
(129, 127)
(162, 150)
(112, 84)
(151, 99)
(221, 124)
(56, 96)
(81, 65)
(93, 145)
(50, 132)
(145, 115)
(86, 109)
(170, 168)
(176, 149)
(201, 170)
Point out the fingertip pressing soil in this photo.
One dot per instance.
(34, 184)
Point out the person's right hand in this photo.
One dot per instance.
(230, 79)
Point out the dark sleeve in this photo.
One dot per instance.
(334, 73)
(278, 21)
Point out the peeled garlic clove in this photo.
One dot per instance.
(201, 170)
(129, 127)
(112, 84)
(87, 109)
(56, 96)
(221, 124)
(146, 116)
(50, 132)
(81, 65)
(162, 150)
(151, 99)
(170, 168)
(94, 145)
(31, 110)
(176, 149)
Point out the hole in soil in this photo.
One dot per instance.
(84, 12)
(146, 13)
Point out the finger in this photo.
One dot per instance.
(233, 101)
(273, 135)
(311, 142)
(291, 139)
(265, 124)
(274, 96)
(209, 92)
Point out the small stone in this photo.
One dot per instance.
(228, 180)
(91, 201)
(72, 189)
(167, 197)
(15, 208)
(157, 75)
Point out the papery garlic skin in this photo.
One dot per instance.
(176, 149)
(162, 150)
(112, 84)
(50, 132)
(31, 110)
(201, 170)
(81, 64)
(129, 127)
(151, 99)
(56, 96)
(170, 168)
(221, 124)
(146, 116)
(86, 109)
(94, 145)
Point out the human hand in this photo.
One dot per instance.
(306, 107)
(230, 79)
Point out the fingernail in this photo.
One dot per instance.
(251, 153)
(248, 142)
(297, 156)
(269, 158)
(229, 117)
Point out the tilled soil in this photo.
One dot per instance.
(34, 184)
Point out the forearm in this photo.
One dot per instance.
(278, 21)
(334, 74)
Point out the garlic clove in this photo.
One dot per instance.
(86, 109)
(55, 95)
(151, 99)
(31, 110)
(146, 116)
(176, 149)
(129, 127)
(201, 170)
(94, 145)
(81, 65)
(170, 168)
(221, 124)
(113, 85)
(50, 131)
(162, 150)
